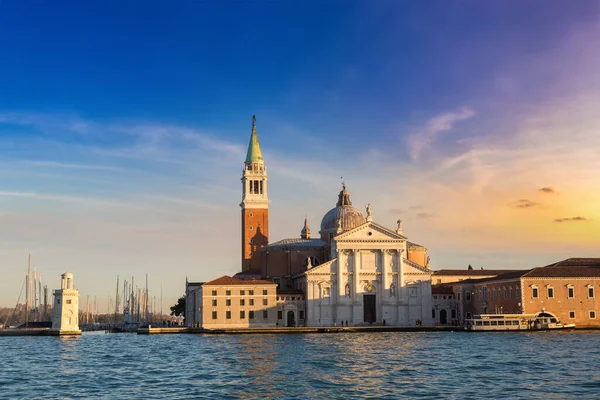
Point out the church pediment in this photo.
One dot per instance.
(326, 268)
(370, 232)
(412, 268)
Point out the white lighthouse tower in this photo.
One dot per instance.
(66, 308)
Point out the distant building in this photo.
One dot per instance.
(66, 306)
(444, 311)
(567, 289)
(229, 302)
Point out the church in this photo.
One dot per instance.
(354, 272)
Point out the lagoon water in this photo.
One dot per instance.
(444, 365)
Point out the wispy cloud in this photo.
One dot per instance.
(56, 164)
(422, 139)
(547, 189)
(571, 219)
(424, 215)
(68, 199)
(525, 203)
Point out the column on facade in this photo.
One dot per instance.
(341, 258)
(384, 273)
(400, 268)
(355, 267)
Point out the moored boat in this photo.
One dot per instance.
(515, 322)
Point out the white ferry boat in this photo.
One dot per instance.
(515, 322)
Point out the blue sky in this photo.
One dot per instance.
(123, 129)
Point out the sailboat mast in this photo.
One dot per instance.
(146, 297)
(27, 292)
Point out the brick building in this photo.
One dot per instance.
(567, 289)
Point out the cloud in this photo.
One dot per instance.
(55, 164)
(570, 219)
(547, 189)
(422, 139)
(524, 203)
(424, 215)
(68, 199)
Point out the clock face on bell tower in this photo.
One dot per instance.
(255, 204)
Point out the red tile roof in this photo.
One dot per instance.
(569, 268)
(229, 281)
(471, 272)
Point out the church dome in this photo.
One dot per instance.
(343, 214)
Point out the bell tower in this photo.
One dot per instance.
(255, 204)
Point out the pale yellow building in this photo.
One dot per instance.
(229, 302)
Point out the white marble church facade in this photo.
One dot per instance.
(368, 280)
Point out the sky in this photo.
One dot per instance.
(124, 128)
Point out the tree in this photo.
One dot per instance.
(179, 307)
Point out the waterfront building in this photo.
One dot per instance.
(444, 311)
(228, 302)
(567, 289)
(66, 306)
(354, 272)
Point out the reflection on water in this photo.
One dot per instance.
(540, 365)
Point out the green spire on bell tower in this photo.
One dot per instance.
(254, 153)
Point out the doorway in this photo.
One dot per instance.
(291, 321)
(443, 317)
(369, 305)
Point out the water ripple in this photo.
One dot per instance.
(550, 365)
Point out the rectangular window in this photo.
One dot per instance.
(550, 293)
(214, 302)
(279, 314)
(242, 314)
(468, 315)
(242, 292)
(433, 313)
(228, 302)
(571, 291)
(301, 314)
(251, 302)
(534, 293)
(571, 314)
(251, 314)
(214, 315)
(468, 294)
(591, 292)
(261, 187)
(228, 314)
(518, 292)
(251, 292)
(228, 292)
(592, 314)
(69, 301)
(264, 292)
(242, 302)
(214, 292)
(265, 302)
(265, 314)
(453, 313)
